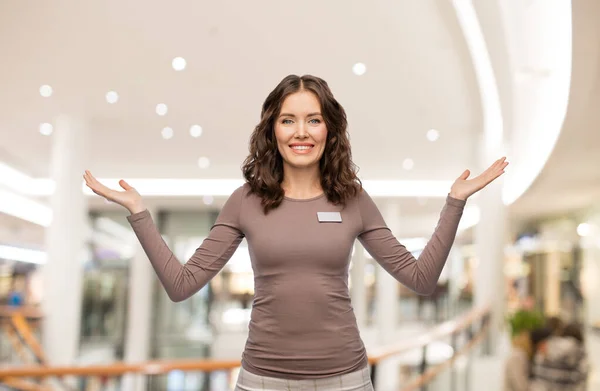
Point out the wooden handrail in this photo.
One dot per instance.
(161, 366)
(120, 368)
(15, 342)
(436, 333)
(21, 326)
(28, 312)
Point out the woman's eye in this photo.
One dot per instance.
(286, 121)
(315, 121)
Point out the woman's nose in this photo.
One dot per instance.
(301, 131)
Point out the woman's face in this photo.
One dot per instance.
(300, 131)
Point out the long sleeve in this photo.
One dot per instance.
(182, 281)
(420, 275)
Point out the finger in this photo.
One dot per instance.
(499, 169)
(493, 172)
(85, 176)
(496, 164)
(125, 185)
(464, 175)
(98, 187)
(89, 178)
(494, 176)
(494, 169)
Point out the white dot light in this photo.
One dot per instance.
(208, 200)
(112, 97)
(584, 229)
(196, 131)
(408, 164)
(179, 63)
(161, 109)
(167, 133)
(46, 129)
(433, 135)
(203, 162)
(359, 69)
(46, 91)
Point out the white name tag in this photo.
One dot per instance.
(329, 217)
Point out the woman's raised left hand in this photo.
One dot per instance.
(463, 187)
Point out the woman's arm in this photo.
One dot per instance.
(420, 275)
(182, 281)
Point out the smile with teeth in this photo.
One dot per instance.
(301, 148)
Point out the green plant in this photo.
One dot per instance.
(524, 320)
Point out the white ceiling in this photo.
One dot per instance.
(418, 76)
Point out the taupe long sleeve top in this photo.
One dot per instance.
(302, 323)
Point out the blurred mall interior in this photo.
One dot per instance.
(166, 94)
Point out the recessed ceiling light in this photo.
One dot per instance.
(112, 97)
(179, 63)
(167, 133)
(203, 162)
(46, 129)
(408, 164)
(161, 109)
(359, 69)
(433, 135)
(46, 91)
(196, 131)
(584, 229)
(208, 200)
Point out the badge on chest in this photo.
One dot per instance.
(329, 217)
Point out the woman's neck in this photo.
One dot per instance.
(301, 183)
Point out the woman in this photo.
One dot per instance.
(301, 209)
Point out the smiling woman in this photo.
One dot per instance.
(301, 131)
(301, 211)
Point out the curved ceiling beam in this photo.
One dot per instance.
(537, 36)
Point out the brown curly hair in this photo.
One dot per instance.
(263, 168)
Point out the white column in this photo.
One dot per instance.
(387, 307)
(65, 244)
(490, 238)
(386, 287)
(358, 290)
(139, 314)
(590, 246)
(590, 286)
(552, 283)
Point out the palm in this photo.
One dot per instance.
(463, 187)
(126, 198)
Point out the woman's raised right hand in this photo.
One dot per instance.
(130, 198)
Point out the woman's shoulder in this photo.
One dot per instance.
(362, 196)
(245, 194)
(242, 190)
